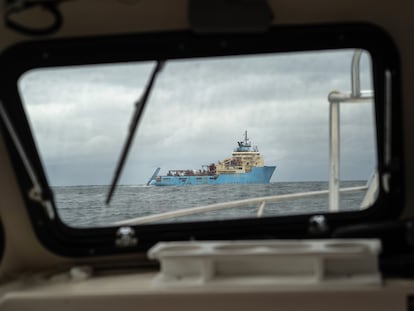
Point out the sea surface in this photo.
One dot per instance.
(84, 206)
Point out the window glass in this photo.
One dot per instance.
(219, 129)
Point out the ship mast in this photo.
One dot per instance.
(246, 139)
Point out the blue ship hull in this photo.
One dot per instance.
(258, 175)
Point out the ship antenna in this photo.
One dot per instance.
(246, 139)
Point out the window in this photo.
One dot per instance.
(235, 140)
(203, 111)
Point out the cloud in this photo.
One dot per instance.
(196, 113)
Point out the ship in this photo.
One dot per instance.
(245, 166)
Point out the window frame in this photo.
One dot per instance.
(68, 241)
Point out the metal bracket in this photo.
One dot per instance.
(318, 224)
(125, 237)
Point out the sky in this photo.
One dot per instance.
(195, 115)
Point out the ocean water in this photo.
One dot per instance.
(84, 206)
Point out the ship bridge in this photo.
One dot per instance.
(244, 157)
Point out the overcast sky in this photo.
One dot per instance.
(196, 113)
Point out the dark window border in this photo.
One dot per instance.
(67, 241)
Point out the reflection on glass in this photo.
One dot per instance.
(220, 130)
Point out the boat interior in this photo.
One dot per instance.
(326, 255)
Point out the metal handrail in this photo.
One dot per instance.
(261, 202)
(335, 98)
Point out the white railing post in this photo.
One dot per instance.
(355, 80)
(334, 142)
(335, 99)
(261, 208)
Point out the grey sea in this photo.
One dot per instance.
(84, 206)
